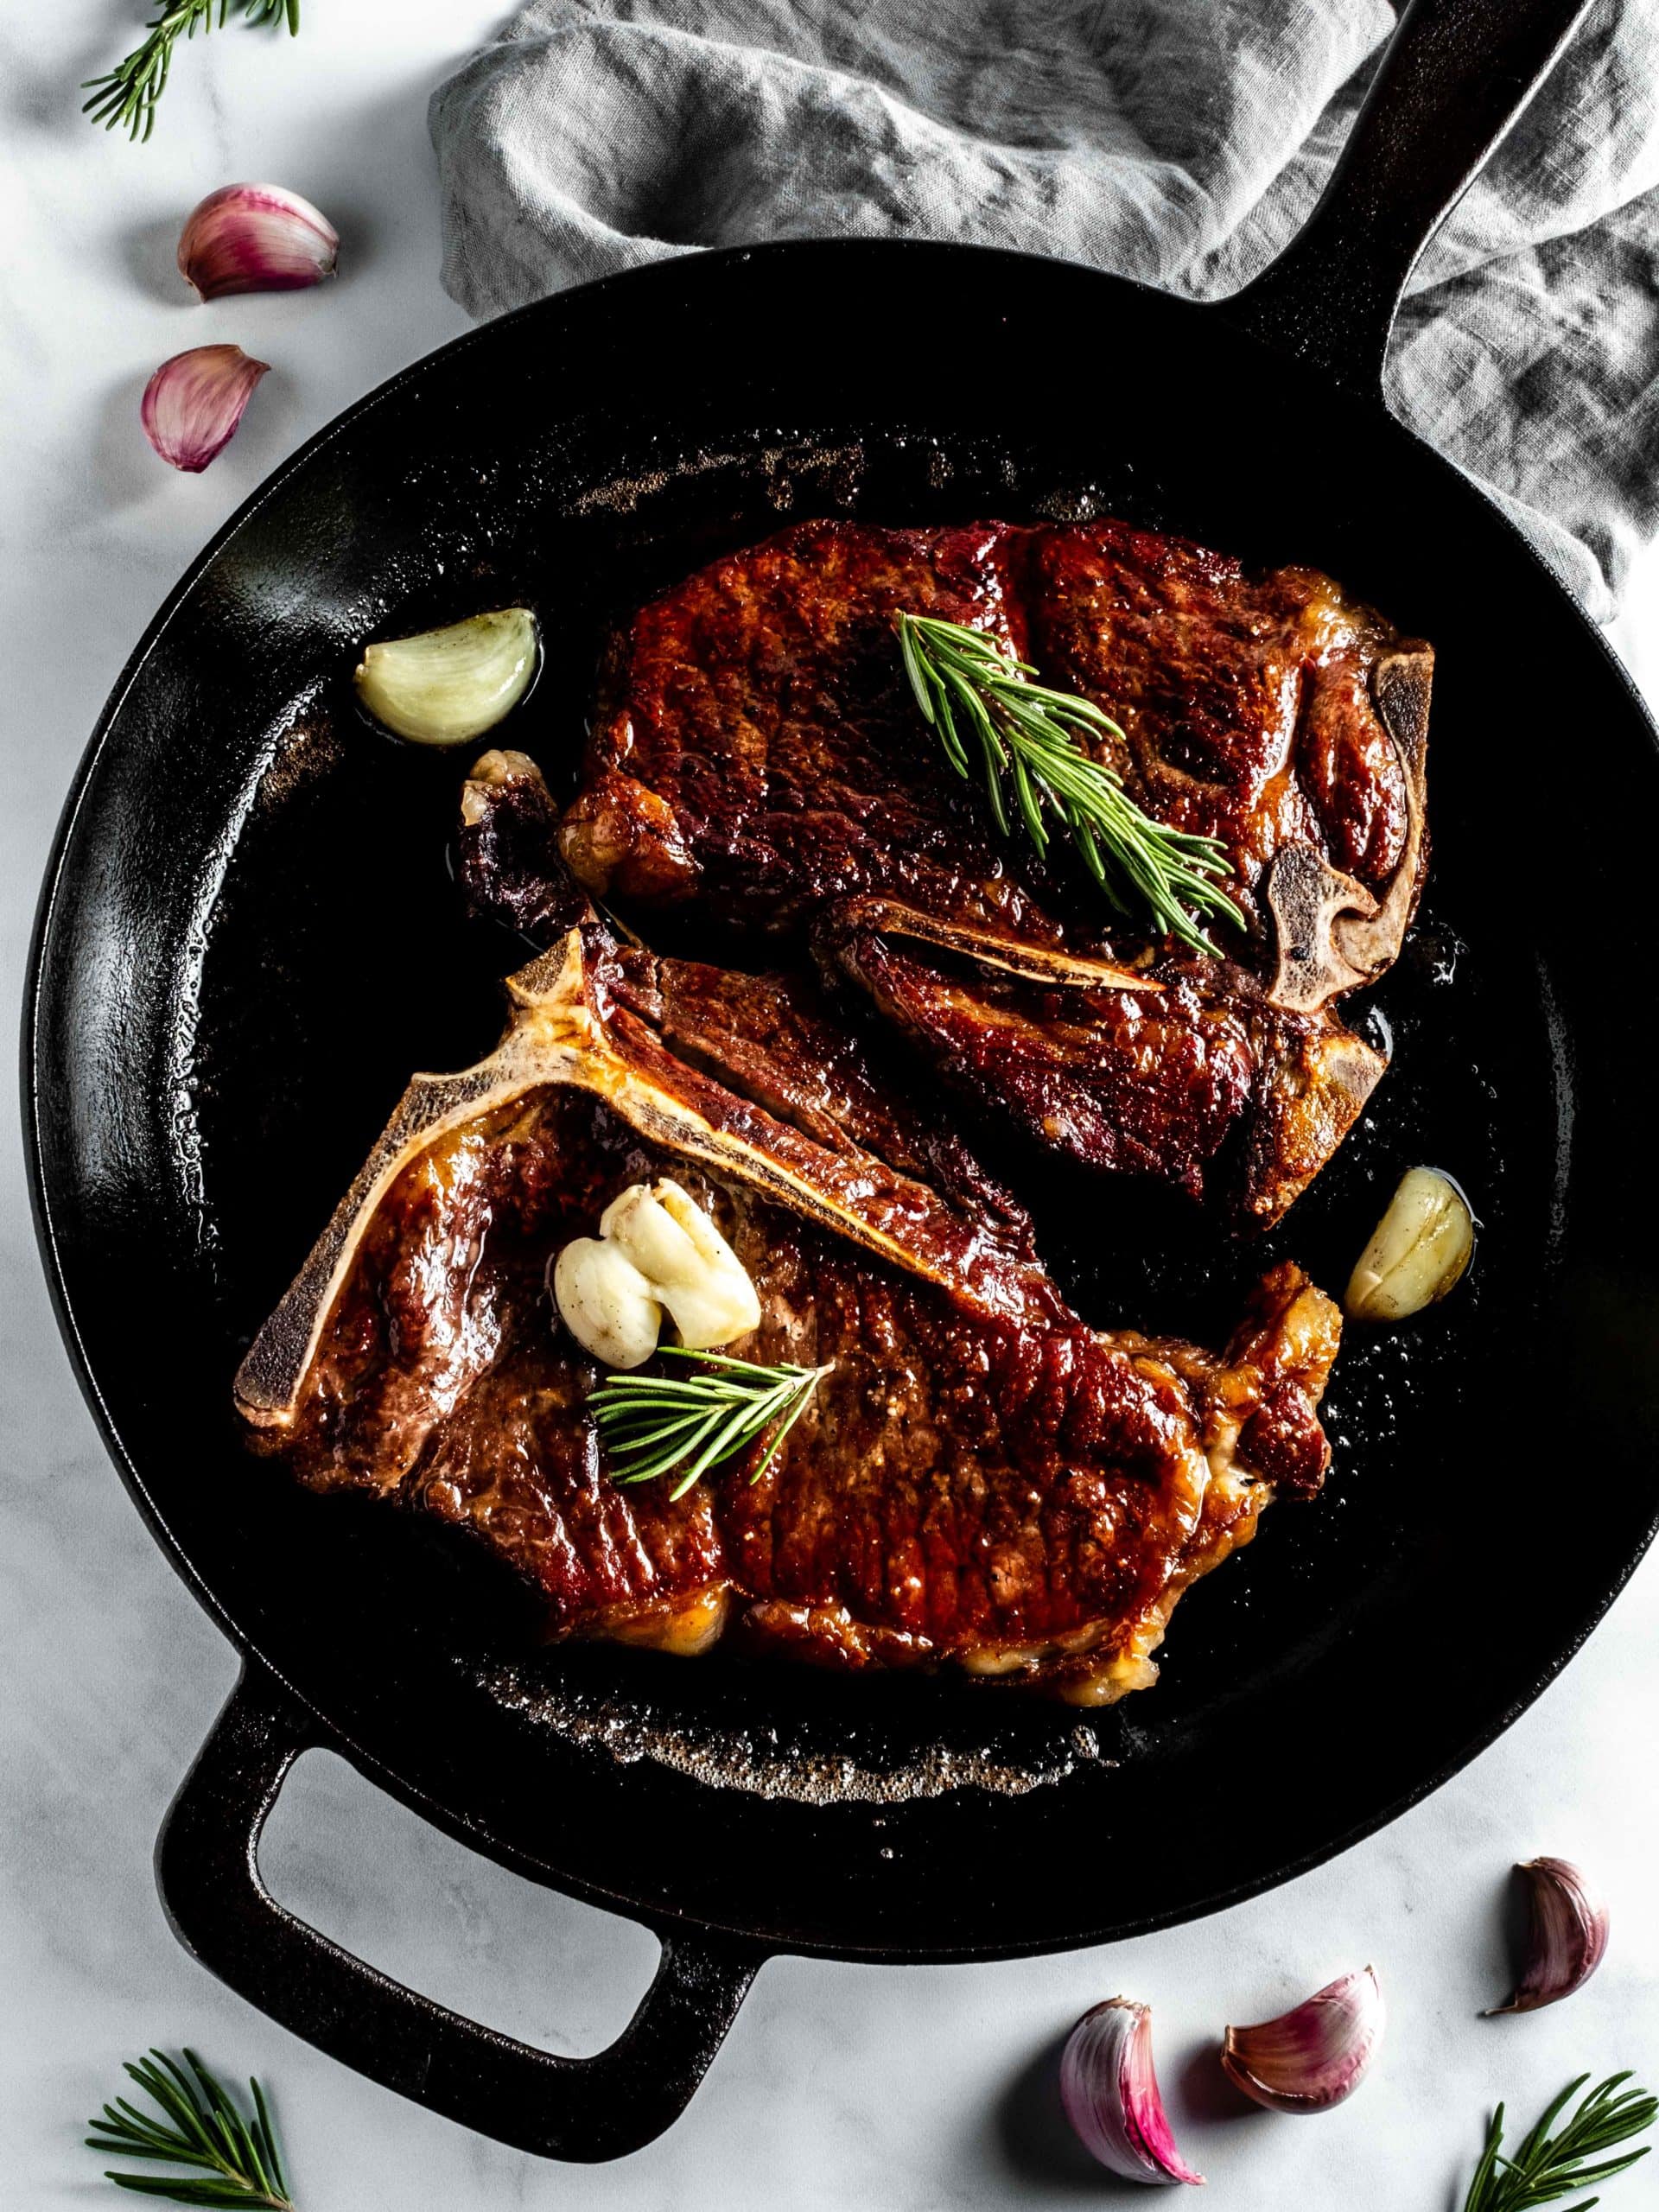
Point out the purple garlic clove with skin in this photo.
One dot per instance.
(1311, 2057)
(256, 238)
(1109, 2090)
(193, 403)
(1568, 1936)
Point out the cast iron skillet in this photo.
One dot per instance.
(248, 939)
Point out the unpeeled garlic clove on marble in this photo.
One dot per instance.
(1313, 2057)
(1417, 1250)
(193, 403)
(688, 1264)
(1109, 2088)
(1569, 1935)
(448, 686)
(256, 238)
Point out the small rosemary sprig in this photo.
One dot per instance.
(234, 2159)
(657, 1425)
(1023, 730)
(125, 98)
(1549, 2166)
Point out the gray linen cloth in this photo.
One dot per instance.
(1182, 142)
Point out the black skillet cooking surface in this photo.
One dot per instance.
(249, 938)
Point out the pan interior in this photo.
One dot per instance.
(288, 946)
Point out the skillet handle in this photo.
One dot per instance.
(207, 1868)
(1455, 76)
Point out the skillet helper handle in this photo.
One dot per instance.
(1455, 76)
(207, 1868)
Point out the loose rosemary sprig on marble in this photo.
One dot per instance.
(125, 98)
(1549, 2166)
(656, 1425)
(231, 2159)
(985, 708)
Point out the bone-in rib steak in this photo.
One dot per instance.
(757, 757)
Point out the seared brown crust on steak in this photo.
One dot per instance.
(757, 757)
(756, 751)
(1183, 1070)
(980, 1480)
(1245, 700)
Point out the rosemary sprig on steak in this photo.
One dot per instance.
(229, 2157)
(1021, 731)
(1547, 2166)
(656, 1425)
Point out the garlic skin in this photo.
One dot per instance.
(688, 1264)
(1109, 2090)
(1418, 1251)
(448, 686)
(193, 403)
(1568, 1940)
(656, 1250)
(256, 238)
(1312, 2058)
(605, 1303)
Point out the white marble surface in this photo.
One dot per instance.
(905, 2088)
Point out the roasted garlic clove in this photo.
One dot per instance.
(605, 1303)
(1109, 2088)
(1314, 2056)
(448, 686)
(1569, 1935)
(256, 238)
(1418, 1251)
(193, 403)
(688, 1264)
(656, 1249)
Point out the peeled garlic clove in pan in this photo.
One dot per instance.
(656, 1249)
(1109, 2090)
(256, 238)
(448, 686)
(605, 1303)
(1314, 2056)
(1569, 1935)
(687, 1264)
(1417, 1250)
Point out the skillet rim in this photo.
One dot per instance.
(37, 1015)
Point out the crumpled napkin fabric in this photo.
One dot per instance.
(1181, 142)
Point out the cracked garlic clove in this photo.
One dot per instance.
(1314, 2056)
(1567, 1938)
(605, 1303)
(193, 403)
(1109, 2090)
(448, 686)
(1418, 1251)
(256, 238)
(688, 1264)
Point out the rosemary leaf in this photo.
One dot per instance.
(125, 97)
(234, 2159)
(1028, 735)
(1549, 2166)
(686, 1425)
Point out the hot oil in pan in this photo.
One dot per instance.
(340, 961)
